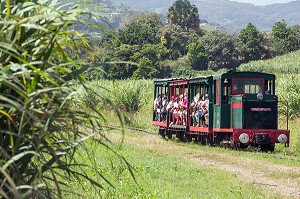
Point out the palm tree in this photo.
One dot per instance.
(43, 118)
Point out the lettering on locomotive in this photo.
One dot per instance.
(261, 109)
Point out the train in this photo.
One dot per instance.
(232, 109)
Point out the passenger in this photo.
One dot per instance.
(175, 116)
(183, 115)
(199, 111)
(164, 109)
(176, 111)
(185, 100)
(204, 108)
(179, 117)
(170, 108)
(193, 109)
(156, 107)
(156, 102)
(180, 101)
(176, 102)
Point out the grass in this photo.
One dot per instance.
(285, 64)
(162, 176)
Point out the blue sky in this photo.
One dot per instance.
(263, 2)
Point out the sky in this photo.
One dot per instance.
(263, 2)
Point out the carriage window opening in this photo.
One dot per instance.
(241, 86)
(269, 87)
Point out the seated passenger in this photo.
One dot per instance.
(194, 109)
(156, 107)
(170, 108)
(184, 115)
(185, 100)
(199, 112)
(179, 114)
(204, 108)
(164, 109)
(175, 116)
(180, 100)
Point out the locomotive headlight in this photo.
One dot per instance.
(260, 96)
(244, 138)
(282, 138)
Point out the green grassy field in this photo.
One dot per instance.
(158, 175)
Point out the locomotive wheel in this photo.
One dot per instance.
(237, 146)
(272, 147)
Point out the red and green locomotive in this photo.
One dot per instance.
(236, 109)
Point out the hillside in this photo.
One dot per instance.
(285, 64)
(228, 14)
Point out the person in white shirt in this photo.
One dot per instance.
(170, 108)
(156, 107)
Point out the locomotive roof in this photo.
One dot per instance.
(200, 79)
(246, 74)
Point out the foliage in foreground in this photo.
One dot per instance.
(43, 119)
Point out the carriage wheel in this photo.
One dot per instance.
(169, 134)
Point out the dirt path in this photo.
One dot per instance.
(282, 179)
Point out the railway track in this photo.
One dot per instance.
(126, 128)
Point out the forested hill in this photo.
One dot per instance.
(228, 14)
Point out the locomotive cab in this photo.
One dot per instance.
(253, 105)
(249, 102)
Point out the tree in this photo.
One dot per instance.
(121, 66)
(141, 29)
(296, 36)
(175, 40)
(220, 49)
(251, 38)
(282, 39)
(184, 14)
(150, 62)
(196, 53)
